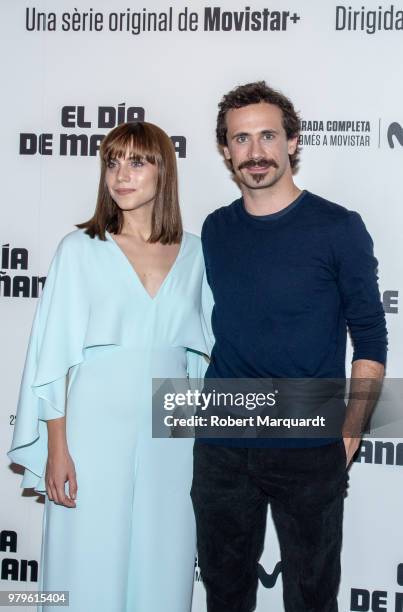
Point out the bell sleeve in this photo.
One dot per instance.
(55, 345)
(198, 361)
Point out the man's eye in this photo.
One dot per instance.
(241, 138)
(268, 136)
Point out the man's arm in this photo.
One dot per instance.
(366, 381)
(365, 318)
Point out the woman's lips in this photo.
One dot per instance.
(124, 191)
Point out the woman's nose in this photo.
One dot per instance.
(123, 174)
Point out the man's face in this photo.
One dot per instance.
(257, 145)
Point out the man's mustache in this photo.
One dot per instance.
(262, 162)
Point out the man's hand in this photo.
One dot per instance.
(366, 380)
(351, 445)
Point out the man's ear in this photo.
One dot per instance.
(226, 153)
(292, 145)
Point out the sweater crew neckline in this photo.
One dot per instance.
(263, 221)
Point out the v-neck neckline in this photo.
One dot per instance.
(135, 273)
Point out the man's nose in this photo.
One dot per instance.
(256, 149)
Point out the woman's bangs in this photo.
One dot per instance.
(137, 146)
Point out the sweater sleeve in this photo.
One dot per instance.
(358, 285)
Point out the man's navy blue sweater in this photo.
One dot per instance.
(286, 287)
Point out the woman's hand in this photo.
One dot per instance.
(59, 470)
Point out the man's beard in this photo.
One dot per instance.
(262, 162)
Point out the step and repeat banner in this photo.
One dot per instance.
(71, 71)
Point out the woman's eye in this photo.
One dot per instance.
(111, 164)
(137, 163)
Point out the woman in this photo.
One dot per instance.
(121, 306)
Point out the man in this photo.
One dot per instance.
(289, 272)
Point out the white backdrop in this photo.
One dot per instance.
(334, 72)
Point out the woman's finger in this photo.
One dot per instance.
(49, 492)
(73, 486)
(61, 494)
(52, 491)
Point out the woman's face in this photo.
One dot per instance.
(132, 183)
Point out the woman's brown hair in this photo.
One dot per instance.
(140, 140)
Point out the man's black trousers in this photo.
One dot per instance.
(305, 488)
